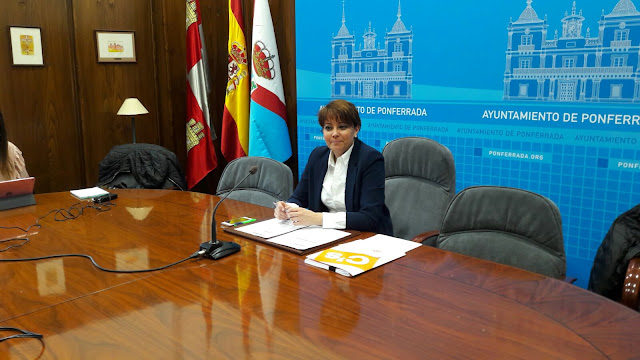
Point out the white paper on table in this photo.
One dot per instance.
(386, 243)
(309, 237)
(270, 228)
(88, 193)
(385, 248)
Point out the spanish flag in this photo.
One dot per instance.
(235, 119)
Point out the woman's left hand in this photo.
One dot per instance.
(302, 216)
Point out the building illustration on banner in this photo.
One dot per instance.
(546, 101)
(599, 66)
(371, 71)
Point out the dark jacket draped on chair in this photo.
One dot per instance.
(620, 245)
(146, 166)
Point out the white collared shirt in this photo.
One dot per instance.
(333, 191)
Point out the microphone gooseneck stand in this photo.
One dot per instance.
(216, 249)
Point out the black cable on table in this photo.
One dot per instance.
(195, 255)
(73, 212)
(21, 334)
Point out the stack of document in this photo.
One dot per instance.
(89, 193)
(355, 257)
(270, 228)
(299, 237)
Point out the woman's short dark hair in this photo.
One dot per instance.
(340, 110)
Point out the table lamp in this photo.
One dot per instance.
(132, 107)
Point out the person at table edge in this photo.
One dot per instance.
(12, 164)
(342, 186)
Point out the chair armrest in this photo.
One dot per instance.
(421, 238)
(631, 285)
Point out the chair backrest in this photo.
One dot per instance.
(272, 182)
(620, 245)
(141, 166)
(509, 226)
(420, 181)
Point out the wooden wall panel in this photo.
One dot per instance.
(72, 102)
(39, 103)
(167, 34)
(104, 86)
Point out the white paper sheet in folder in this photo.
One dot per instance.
(355, 257)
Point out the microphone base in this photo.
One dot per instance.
(219, 249)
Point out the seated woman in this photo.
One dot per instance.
(342, 186)
(11, 161)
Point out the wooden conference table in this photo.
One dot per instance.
(266, 303)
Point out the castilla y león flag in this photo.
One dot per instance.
(268, 133)
(235, 119)
(201, 156)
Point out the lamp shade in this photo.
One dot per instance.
(132, 106)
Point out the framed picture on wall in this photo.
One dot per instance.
(26, 46)
(116, 46)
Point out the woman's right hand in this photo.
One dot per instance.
(280, 212)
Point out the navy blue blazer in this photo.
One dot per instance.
(364, 190)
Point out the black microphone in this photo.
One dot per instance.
(216, 249)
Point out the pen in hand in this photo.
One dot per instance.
(280, 211)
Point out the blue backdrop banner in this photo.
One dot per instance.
(541, 96)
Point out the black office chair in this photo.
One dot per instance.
(615, 271)
(141, 166)
(272, 182)
(506, 225)
(420, 181)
